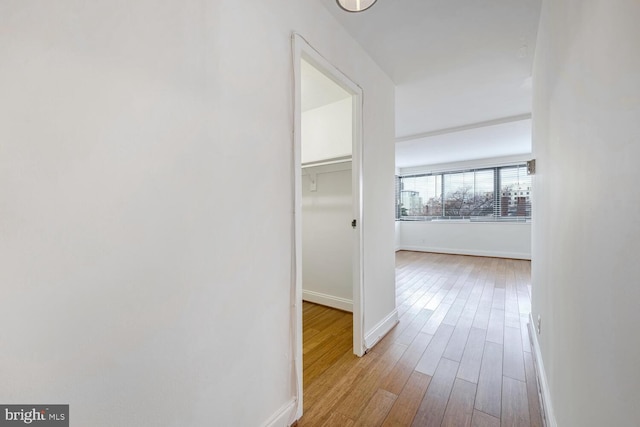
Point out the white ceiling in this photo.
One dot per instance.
(454, 62)
(498, 140)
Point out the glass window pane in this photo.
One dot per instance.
(483, 193)
(410, 199)
(467, 195)
(420, 195)
(515, 192)
(433, 205)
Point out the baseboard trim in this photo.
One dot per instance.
(283, 417)
(380, 330)
(328, 300)
(493, 254)
(544, 393)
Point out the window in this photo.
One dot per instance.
(488, 194)
(398, 203)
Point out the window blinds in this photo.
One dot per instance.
(487, 194)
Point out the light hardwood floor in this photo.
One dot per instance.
(460, 355)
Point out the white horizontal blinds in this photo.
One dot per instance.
(515, 192)
(421, 196)
(398, 204)
(433, 204)
(469, 194)
(488, 194)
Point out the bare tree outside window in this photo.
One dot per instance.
(490, 194)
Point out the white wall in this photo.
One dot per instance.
(327, 131)
(327, 236)
(586, 234)
(505, 240)
(146, 219)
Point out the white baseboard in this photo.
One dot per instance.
(381, 329)
(283, 417)
(545, 394)
(494, 254)
(328, 300)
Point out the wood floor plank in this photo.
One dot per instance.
(336, 331)
(454, 291)
(489, 395)
(454, 312)
(332, 377)
(330, 327)
(324, 318)
(472, 357)
(406, 405)
(495, 331)
(481, 320)
(498, 299)
(336, 419)
(513, 358)
(524, 332)
(320, 404)
(431, 410)
(436, 319)
(524, 301)
(475, 295)
(319, 408)
(436, 300)
(335, 350)
(377, 409)
(415, 326)
(387, 341)
(535, 414)
(357, 397)
(480, 419)
(511, 319)
(460, 407)
(418, 292)
(461, 319)
(515, 404)
(395, 380)
(500, 275)
(458, 341)
(335, 381)
(432, 355)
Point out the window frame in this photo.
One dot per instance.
(497, 216)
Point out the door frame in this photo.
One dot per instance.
(303, 50)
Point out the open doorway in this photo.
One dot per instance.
(327, 194)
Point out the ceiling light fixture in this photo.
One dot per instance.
(355, 5)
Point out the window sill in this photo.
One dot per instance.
(464, 221)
